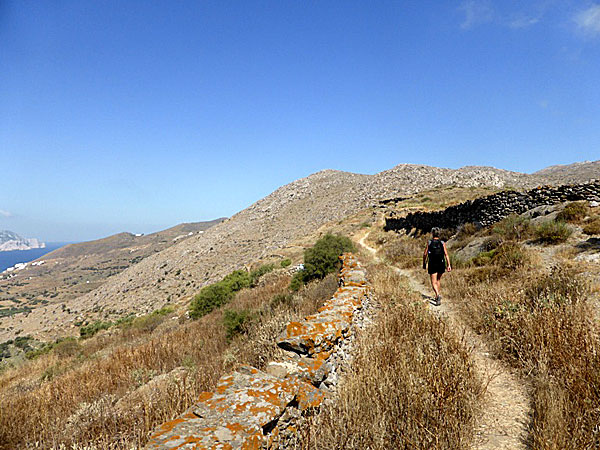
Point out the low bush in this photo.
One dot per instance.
(280, 299)
(217, 294)
(90, 330)
(514, 227)
(466, 230)
(209, 298)
(483, 258)
(322, 259)
(286, 262)
(262, 270)
(236, 322)
(573, 212)
(147, 323)
(592, 227)
(551, 232)
(67, 347)
(510, 255)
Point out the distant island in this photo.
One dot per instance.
(10, 241)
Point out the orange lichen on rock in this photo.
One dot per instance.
(250, 409)
(244, 403)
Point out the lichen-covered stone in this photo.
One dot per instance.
(241, 413)
(252, 409)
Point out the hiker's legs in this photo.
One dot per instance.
(438, 277)
(435, 284)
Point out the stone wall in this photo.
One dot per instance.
(493, 208)
(254, 409)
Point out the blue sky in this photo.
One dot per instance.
(138, 115)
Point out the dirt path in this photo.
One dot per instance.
(506, 409)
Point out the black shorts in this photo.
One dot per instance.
(436, 266)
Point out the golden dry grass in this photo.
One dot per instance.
(542, 324)
(411, 385)
(123, 383)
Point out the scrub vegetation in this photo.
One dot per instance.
(113, 387)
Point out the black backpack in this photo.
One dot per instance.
(435, 248)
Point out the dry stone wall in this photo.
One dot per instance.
(493, 208)
(254, 409)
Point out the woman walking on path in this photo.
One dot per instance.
(438, 258)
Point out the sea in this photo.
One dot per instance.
(9, 259)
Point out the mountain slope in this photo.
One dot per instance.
(269, 227)
(571, 173)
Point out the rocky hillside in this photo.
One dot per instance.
(266, 229)
(571, 173)
(76, 269)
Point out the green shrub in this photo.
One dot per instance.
(551, 232)
(573, 212)
(513, 227)
(510, 255)
(163, 311)
(297, 281)
(209, 298)
(217, 294)
(323, 257)
(148, 322)
(237, 280)
(483, 258)
(45, 348)
(365, 225)
(235, 322)
(262, 270)
(457, 262)
(93, 328)
(23, 343)
(125, 321)
(286, 262)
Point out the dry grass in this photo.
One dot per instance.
(411, 384)
(443, 197)
(541, 323)
(404, 251)
(122, 384)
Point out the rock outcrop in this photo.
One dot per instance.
(493, 208)
(10, 241)
(254, 409)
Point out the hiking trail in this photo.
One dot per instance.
(505, 414)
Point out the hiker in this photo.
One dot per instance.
(438, 258)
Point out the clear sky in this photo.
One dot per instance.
(138, 115)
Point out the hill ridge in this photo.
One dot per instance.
(266, 229)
